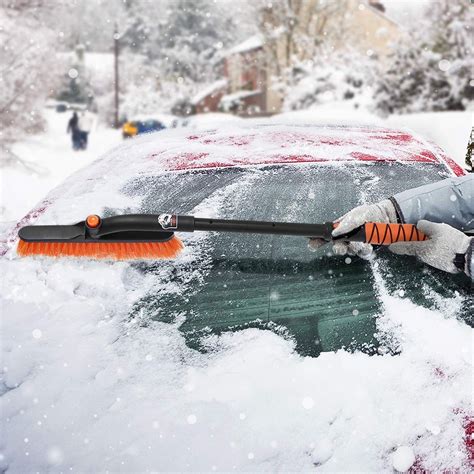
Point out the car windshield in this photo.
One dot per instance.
(322, 301)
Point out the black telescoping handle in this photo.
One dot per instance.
(263, 227)
(323, 231)
(175, 223)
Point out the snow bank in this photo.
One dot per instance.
(449, 130)
(212, 120)
(340, 113)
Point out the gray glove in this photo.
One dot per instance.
(440, 249)
(383, 211)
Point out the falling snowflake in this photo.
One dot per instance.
(444, 65)
(307, 403)
(73, 73)
(55, 456)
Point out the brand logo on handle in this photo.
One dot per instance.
(168, 221)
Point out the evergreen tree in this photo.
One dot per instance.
(190, 39)
(76, 87)
(431, 70)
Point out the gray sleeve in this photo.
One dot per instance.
(450, 201)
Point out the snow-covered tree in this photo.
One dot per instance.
(191, 37)
(330, 77)
(28, 69)
(432, 68)
(298, 29)
(76, 87)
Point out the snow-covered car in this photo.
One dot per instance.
(148, 123)
(202, 363)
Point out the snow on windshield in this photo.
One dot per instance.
(88, 387)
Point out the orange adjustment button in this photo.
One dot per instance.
(93, 221)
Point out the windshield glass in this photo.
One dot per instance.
(322, 301)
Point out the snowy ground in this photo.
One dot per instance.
(46, 159)
(85, 388)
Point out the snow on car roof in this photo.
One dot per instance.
(272, 144)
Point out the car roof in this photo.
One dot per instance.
(283, 144)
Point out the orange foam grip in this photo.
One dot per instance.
(385, 234)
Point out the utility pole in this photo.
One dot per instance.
(116, 77)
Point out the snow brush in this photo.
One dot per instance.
(151, 236)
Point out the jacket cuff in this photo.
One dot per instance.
(400, 218)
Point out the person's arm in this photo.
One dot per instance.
(448, 204)
(450, 201)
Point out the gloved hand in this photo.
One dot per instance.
(439, 251)
(383, 211)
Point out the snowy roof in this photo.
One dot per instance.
(240, 95)
(214, 87)
(254, 42)
(381, 13)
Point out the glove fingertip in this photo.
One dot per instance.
(341, 229)
(425, 226)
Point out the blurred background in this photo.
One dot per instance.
(127, 67)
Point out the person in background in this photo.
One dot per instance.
(73, 129)
(443, 211)
(86, 121)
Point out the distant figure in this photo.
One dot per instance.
(73, 129)
(86, 121)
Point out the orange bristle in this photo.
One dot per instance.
(104, 250)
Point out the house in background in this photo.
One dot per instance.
(249, 67)
(245, 67)
(209, 98)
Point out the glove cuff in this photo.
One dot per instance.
(390, 210)
(460, 261)
(398, 212)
